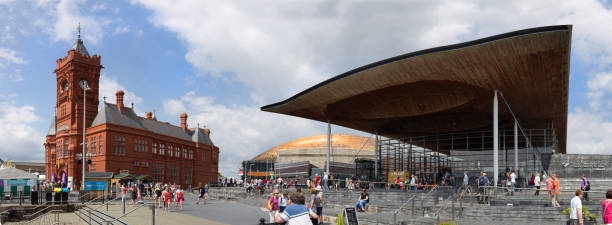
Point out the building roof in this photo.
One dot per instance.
(99, 174)
(51, 131)
(449, 88)
(109, 113)
(80, 47)
(338, 141)
(14, 173)
(39, 164)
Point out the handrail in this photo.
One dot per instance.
(446, 205)
(39, 217)
(117, 219)
(412, 199)
(37, 212)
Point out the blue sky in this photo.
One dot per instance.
(219, 61)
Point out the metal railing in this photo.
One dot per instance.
(151, 206)
(433, 189)
(455, 198)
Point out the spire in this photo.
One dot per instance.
(78, 44)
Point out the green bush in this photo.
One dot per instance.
(447, 223)
(585, 213)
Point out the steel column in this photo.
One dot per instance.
(495, 140)
(516, 165)
(328, 146)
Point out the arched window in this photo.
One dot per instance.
(154, 149)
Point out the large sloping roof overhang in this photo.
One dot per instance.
(449, 88)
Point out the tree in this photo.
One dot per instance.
(220, 175)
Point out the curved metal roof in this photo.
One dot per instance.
(338, 141)
(449, 88)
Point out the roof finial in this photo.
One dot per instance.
(79, 31)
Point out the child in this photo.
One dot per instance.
(283, 202)
(179, 198)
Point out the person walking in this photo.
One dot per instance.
(123, 192)
(272, 205)
(158, 195)
(512, 181)
(167, 198)
(483, 180)
(179, 198)
(201, 197)
(549, 187)
(537, 183)
(325, 180)
(606, 209)
(576, 209)
(555, 191)
(585, 187)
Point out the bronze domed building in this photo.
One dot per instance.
(301, 156)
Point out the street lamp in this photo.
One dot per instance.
(85, 87)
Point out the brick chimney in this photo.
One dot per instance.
(207, 131)
(150, 115)
(184, 121)
(120, 94)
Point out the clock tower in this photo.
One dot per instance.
(73, 72)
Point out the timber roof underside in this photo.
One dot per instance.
(450, 88)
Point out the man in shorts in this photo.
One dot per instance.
(201, 191)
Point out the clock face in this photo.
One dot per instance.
(66, 86)
(83, 84)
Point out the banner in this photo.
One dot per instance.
(95, 185)
(16, 182)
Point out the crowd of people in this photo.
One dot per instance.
(163, 194)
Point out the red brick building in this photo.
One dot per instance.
(116, 138)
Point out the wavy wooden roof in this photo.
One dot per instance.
(449, 88)
(338, 141)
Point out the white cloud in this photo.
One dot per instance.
(278, 49)
(8, 62)
(109, 87)
(19, 139)
(121, 29)
(9, 56)
(241, 131)
(589, 132)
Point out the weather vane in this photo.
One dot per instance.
(79, 30)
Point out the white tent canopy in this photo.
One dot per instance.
(15, 174)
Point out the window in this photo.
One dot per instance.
(203, 155)
(161, 149)
(172, 174)
(93, 145)
(188, 175)
(185, 153)
(118, 145)
(154, 149)
(158, 172)
(135, 163)
(190, 154)
(136, 145)
(170, 150)
(65, 147)
(100, 146)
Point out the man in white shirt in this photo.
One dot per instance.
(325, 179)
(537, 183)
(512, 181)
(576, 209)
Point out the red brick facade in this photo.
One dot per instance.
(113, 146)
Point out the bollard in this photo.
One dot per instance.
(413, 212)
(107, 205)
(453, 210)
(152, 207)
(123, 201)
(89, 211)
(423, 208)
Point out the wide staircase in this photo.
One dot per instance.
(443, 204)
